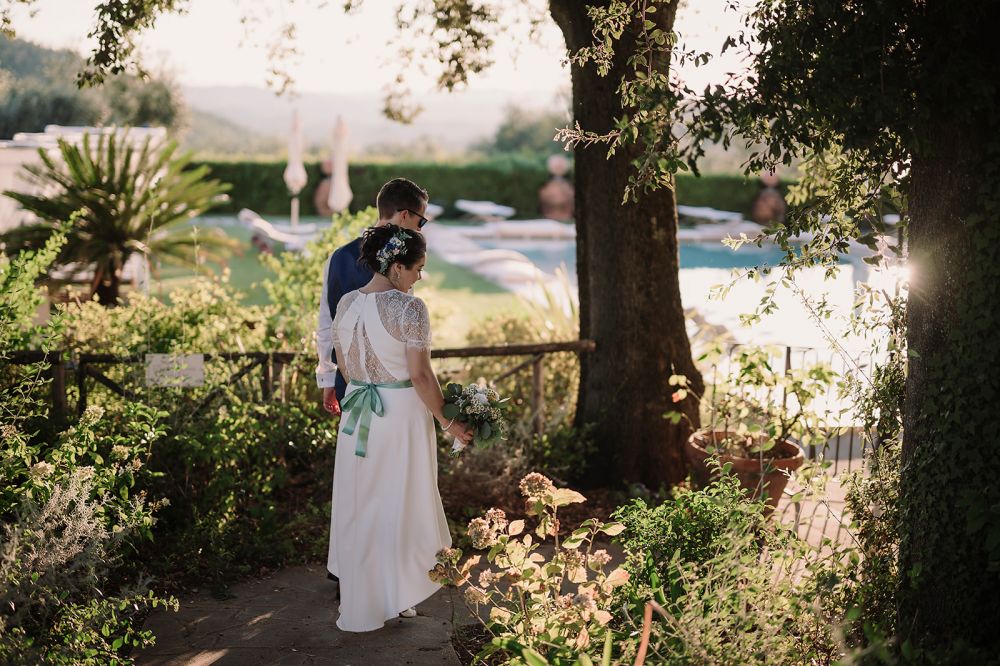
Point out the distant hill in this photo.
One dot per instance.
(211, 135)
(24, 59)
(453, 122)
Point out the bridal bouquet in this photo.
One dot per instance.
(479, 407)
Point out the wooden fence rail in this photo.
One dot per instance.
(86, 366)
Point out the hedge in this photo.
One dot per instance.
(260, 187)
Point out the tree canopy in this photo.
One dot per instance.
(38, 88)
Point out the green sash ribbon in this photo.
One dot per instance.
(359, 407)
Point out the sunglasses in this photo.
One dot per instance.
(423, 220)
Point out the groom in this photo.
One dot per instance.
(401, 202)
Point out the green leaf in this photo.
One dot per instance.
(532, 658)
(613, 529)
(606, 656)
(564, 496)
(450, 410)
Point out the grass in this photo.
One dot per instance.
(246, 272)
(458, 297)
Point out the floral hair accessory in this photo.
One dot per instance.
(394, 248)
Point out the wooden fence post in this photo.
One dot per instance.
(277, 375)
(81, 385)
(538, 394)
(266, 386)
(58, 386)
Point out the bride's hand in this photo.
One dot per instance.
(460, 431)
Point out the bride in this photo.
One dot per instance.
(388, 522)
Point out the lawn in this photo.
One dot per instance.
(458, 297)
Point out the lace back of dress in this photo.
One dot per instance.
(404, 318)
(362, 360)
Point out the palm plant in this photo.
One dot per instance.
(122, 199)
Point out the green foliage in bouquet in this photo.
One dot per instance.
(481, 408)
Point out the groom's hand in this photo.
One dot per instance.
(330, 403)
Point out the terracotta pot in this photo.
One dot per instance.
(748, 470)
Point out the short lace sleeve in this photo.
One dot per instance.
(416, 325)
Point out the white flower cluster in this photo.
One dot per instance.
(395, 247)
(479, 404)
(480, 401)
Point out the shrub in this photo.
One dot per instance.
(70, 510)
(120, 201)
(692, 527)
(511, 181)
(728, 586)
(541, 609)
(240, 471)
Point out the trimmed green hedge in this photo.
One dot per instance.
(511, 182)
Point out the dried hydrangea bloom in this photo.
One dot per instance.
(474, 596)
(498, 518)
(536, 485)
(573, 557)
(487, 578)
(91, 415)
(42, 469)
(447, 555)
(481, 534)
(439, 575)
(599, 558)
(584, 600)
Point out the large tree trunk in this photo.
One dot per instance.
(950, 486)
(630, 301)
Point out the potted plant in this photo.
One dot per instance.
(755, 420)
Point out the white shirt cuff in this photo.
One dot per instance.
(326, 379)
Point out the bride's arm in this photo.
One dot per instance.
(425, 382)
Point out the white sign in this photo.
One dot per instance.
(175, 370)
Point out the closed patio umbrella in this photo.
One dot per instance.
(340, 189)
(295, 173)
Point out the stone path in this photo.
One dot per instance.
(289, 618)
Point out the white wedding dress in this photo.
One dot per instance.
(388, 522)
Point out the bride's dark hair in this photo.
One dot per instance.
(412, 249)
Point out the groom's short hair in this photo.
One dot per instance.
(397, 194)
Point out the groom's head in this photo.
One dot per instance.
(402, 202)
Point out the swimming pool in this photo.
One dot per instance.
(549, 254)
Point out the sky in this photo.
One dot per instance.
(339, 54)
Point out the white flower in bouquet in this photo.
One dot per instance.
(480, 408)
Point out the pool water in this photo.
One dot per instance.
(549, 254)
